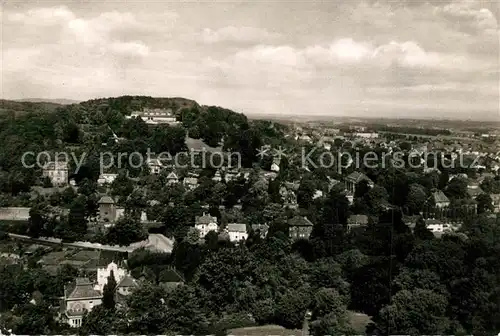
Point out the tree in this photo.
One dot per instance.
(126, 231)
(329, 314)
(108, 294)
(457, 188)
(484, 203)
(416, 198)
(102, 321)
(421, 231)
(291, 308)
(415, 312)
(147, 313)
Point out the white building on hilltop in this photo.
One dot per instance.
(104, 272)
(155, 116)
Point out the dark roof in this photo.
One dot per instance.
(127, 281)
(357, 177)
(106, 200)
(106, 257)
(81, 288)
(440, 197)
(299, 221)
(205, 219)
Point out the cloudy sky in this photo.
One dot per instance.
(405, 58)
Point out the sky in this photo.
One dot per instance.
(407, 58)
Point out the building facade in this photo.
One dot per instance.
(79, 297)
(57, 172)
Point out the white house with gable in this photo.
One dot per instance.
(237, 232)
(103, 274)
(205, 224)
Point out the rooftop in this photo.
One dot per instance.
(357, 177)
(237, 227)
(81, 288)
(299, 221)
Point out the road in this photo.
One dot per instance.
(155, 241)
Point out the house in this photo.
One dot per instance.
(57, 172)
(275, 166)
(317, 194)
(355, 221)
(474, 190)
(190, 182)
(172, 178)
(366, 135)
(439, 227)
(300, 227)
(104, 272)
(237, 231)
(126, 286)
(155, 116)
(79, 297)
(354, 178)
(155, 166)
(495, 198)
(205, 224)
(440, 199)
(217, 176)
(261, 229)
(289, 197)
(107, 209)
(106, 179)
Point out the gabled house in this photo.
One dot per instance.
(172, 178)
(205, 224)
(125, 287)
(237, 231)
(355, 221)
(155, 166)
(440, 199)
(57, 172)
(299, 227)
(79, 297)
(107, 209)
(354, 178)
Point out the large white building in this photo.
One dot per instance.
(104, 272)
(155, 116)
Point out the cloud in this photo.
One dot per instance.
(470, 16)
(43, 16)
(234, 34)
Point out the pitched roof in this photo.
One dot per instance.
(357, 177)
(127, 281)
(299, 221)
(80, 289)
(440, 197)
(237, 227)
(205, 219)
(106, 200)
(172, 176)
